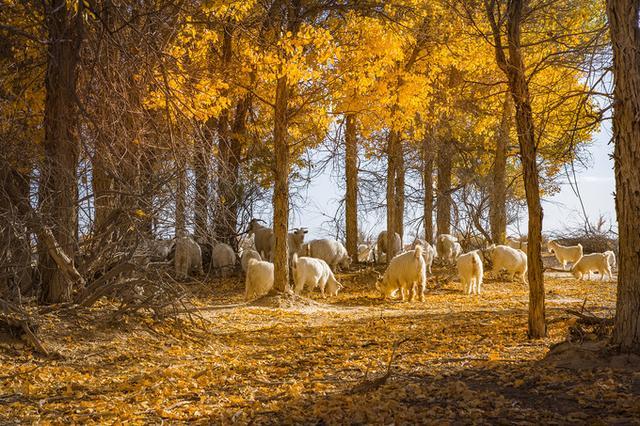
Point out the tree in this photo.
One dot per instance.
(58, 184)
(625, 39)
(351, 195)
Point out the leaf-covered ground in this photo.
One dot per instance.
(350, 359)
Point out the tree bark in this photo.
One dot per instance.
(443, 200)
(281, 187)
(514, 69)
(351, 196)
(498, 190)
(427, 184)
(58, 185)
(625, 39)
(400, 176)
(392, 143)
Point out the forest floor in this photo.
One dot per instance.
(349, 359)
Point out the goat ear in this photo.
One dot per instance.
(305, 231)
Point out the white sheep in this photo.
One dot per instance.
(331, 251)
(262, 237)
(259, 280)
(223, 259)
(365, 253)
(246, 255)
(381, 246)
(188, 257)
(448, 248)
(310, 273)
(565, 254)
(429, 252)
(597, 262)
(512, 260)
(612, 258)
(406, 272)
(470, 271)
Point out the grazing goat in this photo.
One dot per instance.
(512, 260)
(406, 272)
(188, 257)
(448, 248)
(365, 253)
(565, 254)
(331, 251)
(597, 262)
(517, 244)
(259, 280)
(310, 273)
(612, 258)
(381, 245)
(470, 271)
(223, 259)
(429, 252)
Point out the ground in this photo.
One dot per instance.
(348, 359)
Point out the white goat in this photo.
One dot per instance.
(565, 254)
(188, 257)
(259, 280)
(381, 245)
(512, 260)
(295, 242)
(470, 271)
(246, 255)
(429, 252)
(310, 273)
(612, 258)
(406, 272)
(365, 253)
(261, 237)
(597, 262)
(223, 259)
(517, 244)
(331, 251)
(448, 248)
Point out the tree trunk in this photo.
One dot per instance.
(443, 201)
(392, 143)
(498, 191)
(281, 187)
(399, 211)
(427, 184)
(58, 184)
(351, 196)
(625, 39)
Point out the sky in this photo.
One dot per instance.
(595, 184)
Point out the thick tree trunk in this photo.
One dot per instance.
(498, 191)
(399, 228)
(427, 184)
(625, 39)
(392, 148)
(58, 184)
(443, 200)
(281, 188)
(351, 196)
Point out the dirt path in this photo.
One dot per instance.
(456, 359)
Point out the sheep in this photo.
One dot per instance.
(429, 252)
(512, 260)
(188, 257)
(310, 272)
(381, 245)
(223, 258)
(246, 255)
(405, 272)
(259, 279)
(592, 262)
(448, 248)
(262, 237)
(565, 254)
(470, 271)
(612, 258)
(517, 244)
(365, 253)
(331, 251)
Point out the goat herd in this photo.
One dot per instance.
(313, 263)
